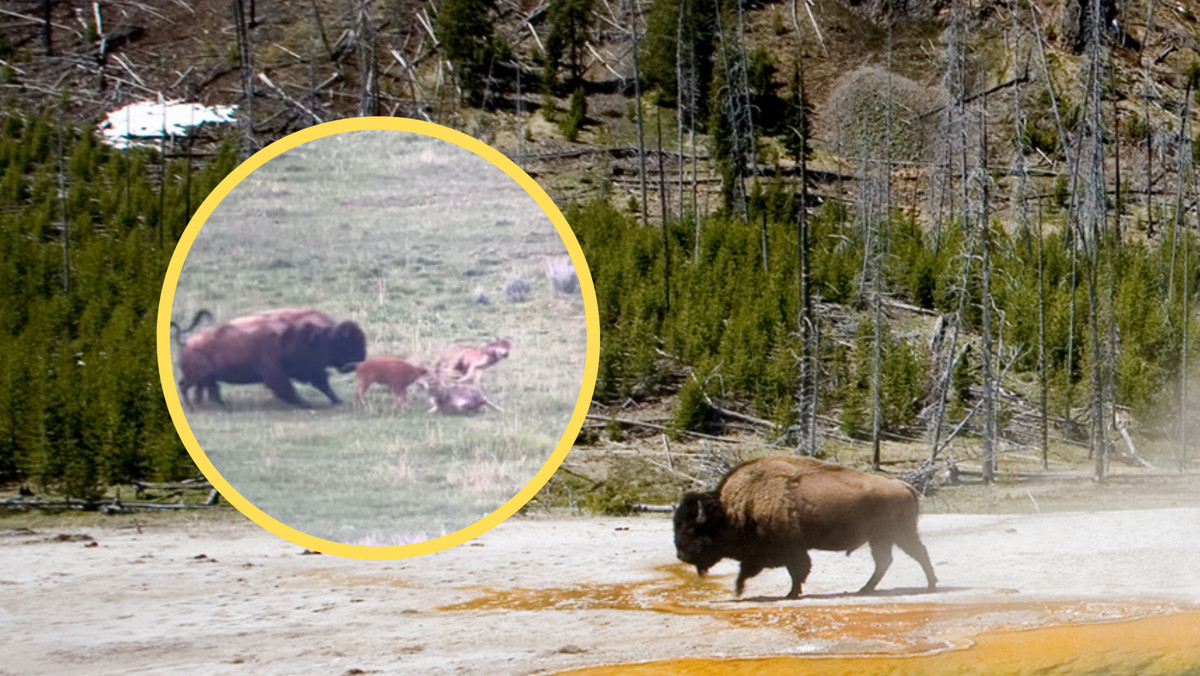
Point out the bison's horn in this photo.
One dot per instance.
(700, 517)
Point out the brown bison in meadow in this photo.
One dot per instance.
(272, 348)
(769, 512)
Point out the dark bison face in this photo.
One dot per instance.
(699, 529)
(347, 346)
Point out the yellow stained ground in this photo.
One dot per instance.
(1017, 638)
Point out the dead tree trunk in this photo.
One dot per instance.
(989, 403)
(246, 60)
(1118, 200)
(62, 204)
(1180, 232)
(809, 329)
(1022, 203)
(1096, 221)
(956, 84)
(47, 30)
(679, 96)
(368, 102)
(666, 239)
(1042, 381)
(637, 96)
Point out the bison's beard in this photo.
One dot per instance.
(701, 570)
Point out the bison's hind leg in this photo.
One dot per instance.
(799, 569)
(911, 545)
(214, 393)
(184, 385)
(881, 551)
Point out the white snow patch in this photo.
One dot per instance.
(143, 120)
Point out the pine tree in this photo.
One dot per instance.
(679, 31)
(466, 36)
(570, 23)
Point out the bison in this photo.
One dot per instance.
(397, 374)
(272, 348)
(769, 512)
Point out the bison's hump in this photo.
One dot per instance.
(786, 494)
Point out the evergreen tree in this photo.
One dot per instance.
(796, 120)
(576, 114)
(679, 31)
(570, 22)
(468, 40)
(80, 402)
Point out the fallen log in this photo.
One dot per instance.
(106, 506)
(186, 484)
(660, 428)
(956, 472)
(661, 509)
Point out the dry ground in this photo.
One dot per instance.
(539, 595)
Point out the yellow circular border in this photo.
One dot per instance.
(167, 372)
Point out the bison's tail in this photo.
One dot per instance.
(201, 316)
(180, 334)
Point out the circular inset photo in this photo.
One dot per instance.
(378, 338)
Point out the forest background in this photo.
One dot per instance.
(953, 240)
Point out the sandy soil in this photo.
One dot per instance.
(541, 595)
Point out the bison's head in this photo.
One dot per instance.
(699, 530)
(347, 346)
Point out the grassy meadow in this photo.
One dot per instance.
(405, 235)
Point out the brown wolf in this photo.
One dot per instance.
(467, 360)
(454, 399)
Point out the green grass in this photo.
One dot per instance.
(399, 233)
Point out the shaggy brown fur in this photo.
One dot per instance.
(769, 512)
(270, 348)
(397, 374)
(285, 317)
(467, 360)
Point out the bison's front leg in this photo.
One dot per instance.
(799, 569)
(282, 386)
(320, 380)
(747, 571)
